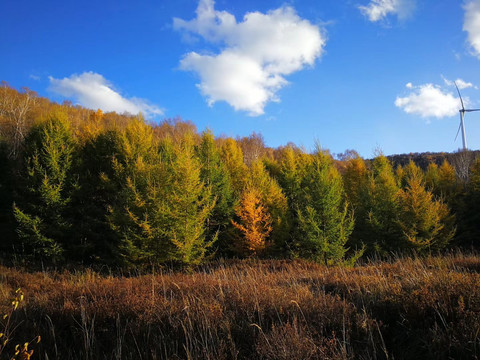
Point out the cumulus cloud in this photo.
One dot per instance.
(378, 10)
(471, 25)
(256, 54)
(428, 101)
(93, 91)
(462, 84)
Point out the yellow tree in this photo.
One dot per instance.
(93, 127)
(426, 222)
(356, 181)
(432, 177)
(355, 178)
(411, 170)
(232, 156)
(272, 196)
(447, 181)
(255, 222)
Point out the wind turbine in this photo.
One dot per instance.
(462, 120)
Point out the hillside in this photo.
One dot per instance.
(82, 187)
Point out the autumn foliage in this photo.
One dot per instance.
(255, 222)
(80, 186)
(408, 308)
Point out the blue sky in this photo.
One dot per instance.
(353, 74)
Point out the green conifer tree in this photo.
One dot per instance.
(325, 223)
(47, 187)
(190, 205)
(214, 174)
(382, 232)
(426, 222)
(356, 179)
(138, 216)
(232, 157)
(468, 211)
(100, 189)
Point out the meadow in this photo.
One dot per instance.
(406, 308)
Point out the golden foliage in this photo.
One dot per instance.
(255, 224)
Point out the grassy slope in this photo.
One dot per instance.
(412, 309)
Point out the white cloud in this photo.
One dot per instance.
(93, 91)
(257, 53)
(471, 25)
(378, 10)
(462, 84)
(429, 101)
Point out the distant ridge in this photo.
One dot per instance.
(425, 158)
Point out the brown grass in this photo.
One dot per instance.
(405, 309)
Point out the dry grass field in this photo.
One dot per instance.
(403, 309)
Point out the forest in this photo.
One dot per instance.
(82, 187)
(127, 239)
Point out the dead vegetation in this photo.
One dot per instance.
(404, 309)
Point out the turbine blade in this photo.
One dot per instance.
(470, 110)
(459, 126)
(461, 100)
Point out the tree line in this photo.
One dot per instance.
(81, 186)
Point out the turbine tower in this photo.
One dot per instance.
(462, 119)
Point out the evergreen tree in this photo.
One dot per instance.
(356, 179)
(432, 178)
(166, 205)
(190, 205)
(214, 174)
(468, 211)
(100, 189)
(275, 201)
(293, 167)
(232, 157)
(411, 170)
(448, 186)
(48, 184)
(325, 223)
(139, 216)
(426, 222)
(382, 231)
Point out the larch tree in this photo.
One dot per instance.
(325, 221)
(356, 183)
(232, 157)
(273, 198)
(47, 187)
(469, 211)
(100, 190)
(214, 174)
(355, 179)
(254, 223)
(190, 205)
(448, 186)
(426, 222)
(382, 232)
(409, 171)
(291, 174)
(138, 217)
(432, 178)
